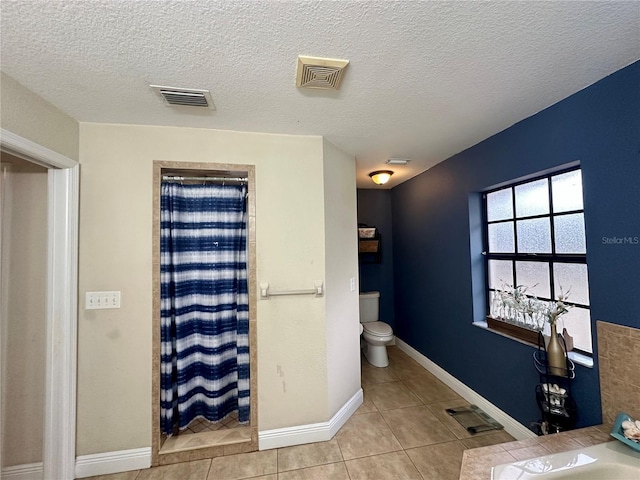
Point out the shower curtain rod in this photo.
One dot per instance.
(204, 179)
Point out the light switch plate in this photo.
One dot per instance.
(101, 300)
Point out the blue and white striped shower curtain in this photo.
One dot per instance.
(204, 304)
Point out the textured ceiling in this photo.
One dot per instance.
(425, 80)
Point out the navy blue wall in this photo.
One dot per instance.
(374, 209)
(437, 261)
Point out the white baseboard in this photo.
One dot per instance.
(112, 462)
(345, 413)
(511, 426)
(29, 471)
(316, 432)
(139, 458)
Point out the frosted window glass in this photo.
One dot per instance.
(577, 321)
(567, 191)
(573, 278)
(500, 273)
(534, 236)
(532, 198)
(569, 233)
(535, 276)
(501, 238)
(499, 205)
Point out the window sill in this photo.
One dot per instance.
(575, 357)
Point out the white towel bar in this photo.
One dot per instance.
(265, 293)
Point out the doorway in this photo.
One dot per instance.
(58, 452)
(196, 437)
(23, 298)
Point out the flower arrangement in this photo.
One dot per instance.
(513, 305)
(558, 308)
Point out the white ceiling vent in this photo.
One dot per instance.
(323, 73)
(186, 97)
(398, 161)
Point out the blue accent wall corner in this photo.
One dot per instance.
(434, 266)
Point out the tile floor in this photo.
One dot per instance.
(202, 433)
(400, 432)
(201, 425)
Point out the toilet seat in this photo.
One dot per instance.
(377, 329)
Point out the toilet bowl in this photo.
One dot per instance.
(376, 334)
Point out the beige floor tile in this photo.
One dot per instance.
(244, 465)
(303, 456)
(438, 462)
(367, 406)
(402, 365)
(332, 471)
(416, 427)
(366, 434)
(390, 395)
(180, 471)
(405, 367)
(371, 374)
(396, 354)
(429, 389)
(117, 476)
(390, 466)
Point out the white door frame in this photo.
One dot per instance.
(59, 452)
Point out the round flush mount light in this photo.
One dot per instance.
(380, 177)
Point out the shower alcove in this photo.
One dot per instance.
(203, 439)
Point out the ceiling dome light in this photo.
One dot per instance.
(380, 177)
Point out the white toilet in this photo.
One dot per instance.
(376, 334)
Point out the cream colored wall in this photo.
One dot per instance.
(290, 256)
(341, 265)
(30, 116)
(114, 358)
(24, 326)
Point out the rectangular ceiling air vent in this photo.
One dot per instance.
(314, 72)
(186, 97)
(398, 161)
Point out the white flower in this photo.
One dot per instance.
(515, 306)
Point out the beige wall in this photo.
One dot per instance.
(114, 377)
(30, 116)
(341, 265)
(24, 265)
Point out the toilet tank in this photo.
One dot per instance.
(369, 302)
